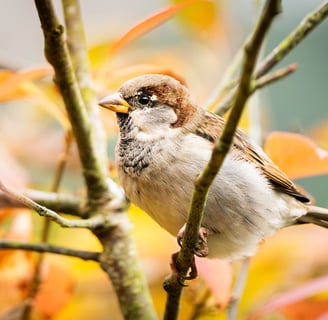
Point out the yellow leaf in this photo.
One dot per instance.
(199, 18)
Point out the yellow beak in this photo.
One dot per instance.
(115, 103)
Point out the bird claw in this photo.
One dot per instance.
(180, 277)
(201, 248)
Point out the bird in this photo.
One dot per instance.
(166, 139)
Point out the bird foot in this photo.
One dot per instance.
(201, 248)
(180, 277)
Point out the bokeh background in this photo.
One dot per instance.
(197, 44)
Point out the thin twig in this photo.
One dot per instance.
(49, 248)
(273, 77)
(77, 49)
(226, 83)
(91, 223)
(308, 24)
(79, 55)
(255, 85)
(185, 256)
(60, 202)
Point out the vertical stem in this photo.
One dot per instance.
(79, 55)
(221, 148)
(56, 52)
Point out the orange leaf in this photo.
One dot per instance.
(55, 290)
(149, 24)
(12, 83)
(308, 309)
(16, 267)
(297, 155)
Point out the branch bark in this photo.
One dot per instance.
(91, 223)
(59, 202)
(48, 248)
(203, 182)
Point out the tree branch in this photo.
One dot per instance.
(48, 248)
(92, 223)
(185, 256)
(308, 24)
(79, 55)
(56, 52)
(273, 77)
(119, 259)
(60, 202)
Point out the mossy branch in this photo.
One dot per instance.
(203, 182)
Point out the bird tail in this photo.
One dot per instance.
(315, 215)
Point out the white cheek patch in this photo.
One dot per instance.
(154, 124)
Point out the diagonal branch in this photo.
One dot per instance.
(308, 24)
(203, 182)
(60, 202)
(91, 223)
(273, 77)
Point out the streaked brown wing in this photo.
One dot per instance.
(210, 128)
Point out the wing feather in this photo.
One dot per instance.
(210, 128)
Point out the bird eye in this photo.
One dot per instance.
(143, 98)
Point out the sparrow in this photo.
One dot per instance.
(165, 141)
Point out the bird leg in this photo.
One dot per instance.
(201, 248)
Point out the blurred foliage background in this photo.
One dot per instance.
(197, 44)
